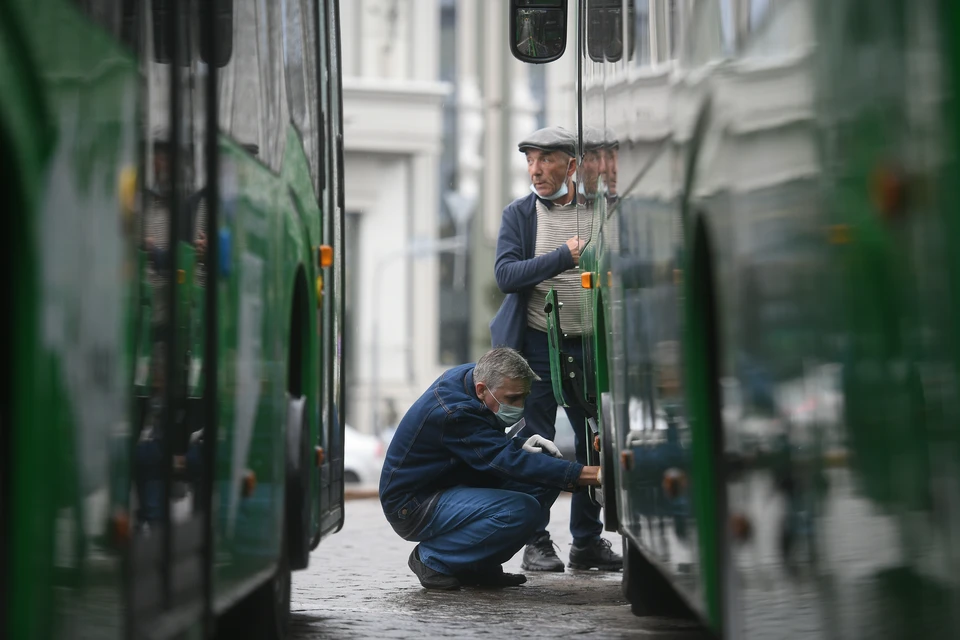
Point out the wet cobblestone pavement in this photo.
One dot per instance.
(358, 586)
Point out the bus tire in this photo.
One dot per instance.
(298, 483)
(645, 588)
(608, 460)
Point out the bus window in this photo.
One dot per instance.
(300, 72)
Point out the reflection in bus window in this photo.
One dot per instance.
(640, 52)
(251, 109)
(759, 9)
(654, 28)
(711, 33)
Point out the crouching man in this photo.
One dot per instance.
(457, 484)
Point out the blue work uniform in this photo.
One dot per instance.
(454, 482)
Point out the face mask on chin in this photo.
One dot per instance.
(559, 193)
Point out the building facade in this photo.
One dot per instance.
(434, 105)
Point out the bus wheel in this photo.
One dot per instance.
(645, 588)
(298, 483)
(608, 459)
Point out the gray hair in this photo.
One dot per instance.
(502, 363)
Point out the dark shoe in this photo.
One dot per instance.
(495, 578)
(429, 578)
(540, 556)
(596, 554)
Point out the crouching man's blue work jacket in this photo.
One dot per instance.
(449, 438)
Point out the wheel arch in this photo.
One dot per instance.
(298, 437)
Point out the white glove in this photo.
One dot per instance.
(536, 444)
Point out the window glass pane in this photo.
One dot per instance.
(641, 33)
(300, 66)
(253, 108)
(106, 13)
(711, 34)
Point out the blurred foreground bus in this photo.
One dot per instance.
(773, 284)
(173, 276)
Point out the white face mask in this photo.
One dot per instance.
(559, 193)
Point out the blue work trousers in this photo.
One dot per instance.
(478, 529)
(540, 412)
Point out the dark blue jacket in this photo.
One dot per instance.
(517, 270)
(449, 438)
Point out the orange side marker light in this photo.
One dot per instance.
(249, 483)
(325, 256)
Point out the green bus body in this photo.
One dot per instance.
(775, 307)
(83, 442)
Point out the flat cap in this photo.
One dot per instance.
(612, 141)
(551, 139)
(593, 138)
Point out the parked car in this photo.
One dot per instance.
(363, 457)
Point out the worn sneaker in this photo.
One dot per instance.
(429, 578)
(496, 578)
(540, 556)
(596, 554)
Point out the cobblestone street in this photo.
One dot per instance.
(358, 586)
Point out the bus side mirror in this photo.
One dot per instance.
(605, 30)
(538, 30)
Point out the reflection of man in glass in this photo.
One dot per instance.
(149, 456)
(592, 166)
(611, 158)
(156, 227)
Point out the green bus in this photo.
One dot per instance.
(774, 288)
(172, 425)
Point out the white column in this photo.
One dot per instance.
(470, 109)
(523, 122)
(423, 39)
(495, 21)
(423, 290)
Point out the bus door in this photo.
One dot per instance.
(170, 479)
(330, 278)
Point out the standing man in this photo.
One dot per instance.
(538, 249)
(469, 494)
